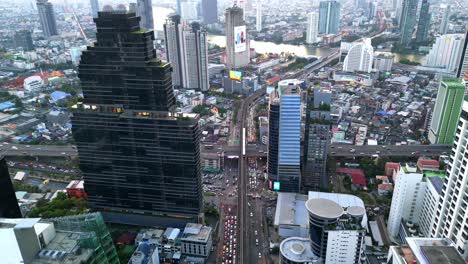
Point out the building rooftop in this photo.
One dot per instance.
(434, 250)
(324, 208)
(196, 233)
(297, 250)
(291, 210)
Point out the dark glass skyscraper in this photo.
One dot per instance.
(424, 22)
(47, 18)
(408, 21)
(140, 160)
(8, 205)
(329, 17)
(209, 10)
(23, 39)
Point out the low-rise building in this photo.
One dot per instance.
(196, 240)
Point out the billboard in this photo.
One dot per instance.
(240, 39)
(235, 75)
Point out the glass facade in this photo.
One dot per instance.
(8, 205)
(136, 154)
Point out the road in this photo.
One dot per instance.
(388, 150)
(244, 248)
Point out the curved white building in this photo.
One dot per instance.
(296, 250)
(360, 57)
(33, 83)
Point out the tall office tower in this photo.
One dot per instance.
(450, 220)
(445, 20)
(8, 205)
(408, 21)
(273, 134)
(187, 51)
(372, 10)
(190, 9)
(237, 39)
(209, 10)
(145, 12)
(334, 239)
(24, 40)
(446, 111)
(446, 52)
(258, 21)
(94, 8)
(424, 22)
(312, 27)
(140, 160)
(179, 7)
(288, 140)
(317, 139)
(329, 17)
(47, 18)
(360, 57)
(463, 66)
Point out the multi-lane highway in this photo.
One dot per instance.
(388, 150)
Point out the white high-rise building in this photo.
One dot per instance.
(445, 20)
(360, 57)
(407, 198)
(452, 210)
(187, 51)
(237, 39)
(312, 27)
(446, 52)
(259, 16)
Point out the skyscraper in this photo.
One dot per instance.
(140, 160)
(258, 22)
(446, 52)
(445, 20)
(273, 134)
(463, 66)
(23, 39)
(237, 39)
(424, 22)
(408, 21)
(329, 17)
(145, 12)
(190, 10)
(360, 57)
(450, 221)
(8, 205)
(94, 8)
(446, 111)
(312, 27)
(187, 51)
(47, 18)
(372, 10)
(209, 10)
(288, 140)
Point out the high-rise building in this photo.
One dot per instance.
(209, 10)
(450, 221)
(73, 239)
(132, 7)
(289, 136)
(445, 20)
(329, 17)
(258, 21)
(446, 52)
(94, 8)
(140, 160)
(312, 27)
(237, 39)
(463, 66)
(408, 21)
(424, 22)
(187, 51)
(383, 62)
(47, 18)
(372, 10)
(190, 10)
(24, 40)
(424, 250)
(273, 134)
(446, 111)
(8, 205)
(145, 12)
(360, 57)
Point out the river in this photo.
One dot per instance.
(160, 15)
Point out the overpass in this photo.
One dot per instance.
(252, 150)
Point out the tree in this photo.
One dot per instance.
(201, 110)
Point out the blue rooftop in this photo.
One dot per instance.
(58, 95)
(6, 105)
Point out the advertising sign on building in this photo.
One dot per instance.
(240, 39)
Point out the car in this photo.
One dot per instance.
(256, 233)
(256, 242)
(333, 153)
(15, 148)
(362, 153)
(377, 152)
(352, 150)
(259, 255)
